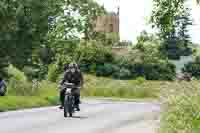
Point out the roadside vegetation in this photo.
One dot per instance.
(34, 51)
(181, 108)
(27, 94)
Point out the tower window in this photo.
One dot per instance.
(111, 27)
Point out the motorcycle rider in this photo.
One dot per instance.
(72, 75)
(2, 87)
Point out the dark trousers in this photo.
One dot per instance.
(62, 97)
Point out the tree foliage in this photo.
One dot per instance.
(74, 21)
(30, 30)
(23, 25)
(172, 18)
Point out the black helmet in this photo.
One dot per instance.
(66, 67)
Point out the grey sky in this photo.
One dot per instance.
(134, 15)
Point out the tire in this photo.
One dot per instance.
(3, 91)
(68, 106)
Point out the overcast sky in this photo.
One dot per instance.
(135, 13)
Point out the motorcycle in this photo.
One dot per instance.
(3, 91)
(69, 102)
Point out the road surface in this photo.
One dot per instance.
(96, 116)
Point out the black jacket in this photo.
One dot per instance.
(75, 78)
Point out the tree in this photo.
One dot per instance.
(164, 15)
(183, 21)
(78, 17)
(90, 11)
(172, 18)
(75, 19)
(23, 25)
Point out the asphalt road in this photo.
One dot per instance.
(96, 116)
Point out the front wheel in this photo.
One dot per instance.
(68, 106)
(3, 91)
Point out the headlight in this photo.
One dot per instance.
(68, 90)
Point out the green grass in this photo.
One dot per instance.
(107, 87)
(23, 94)
(26, 95)
(181, 112)
(21, 102)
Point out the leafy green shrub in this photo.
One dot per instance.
(140, 80)
(57, 68)
(104, 70)
(21, 88)
(53, 73)
(93, 53)
(31, 73)
(147, 63)
(193, 68)
(16, 74)
(140, 64)
(160, 71)
(47, 88)
(97, 59)
(87, 67)
(62, 60)
(122, 74)
(19, 85)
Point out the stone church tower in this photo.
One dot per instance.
(108, 23)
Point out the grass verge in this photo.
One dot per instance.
(21, 102)
(181, 111)
(27, 95)
(131, 89)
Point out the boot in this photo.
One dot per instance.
(77, 107)
(61, 107)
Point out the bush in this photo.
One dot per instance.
(147, 63)
(93, 53)
(140, 80)
(53, 73)
(193, 68)
(160, 71)
(4, 67)
(97, 59)
(16, 74)
(143, 65)
(18, 84)
(105, 70)
(31, 73)
(87, 67)
(47, 88)
(62, 60)
(122, 74)
(23, 88)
